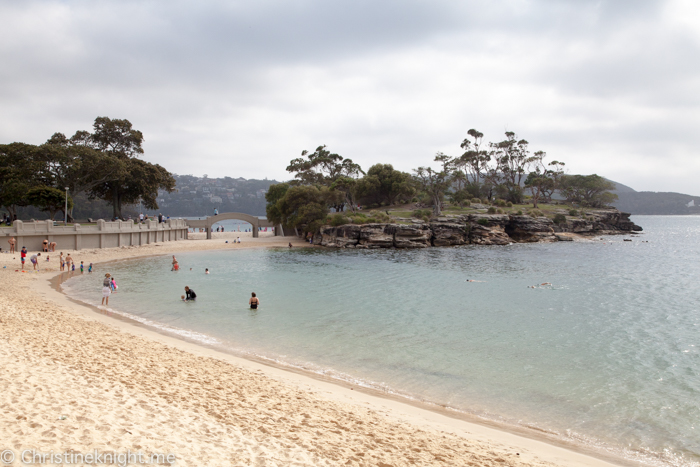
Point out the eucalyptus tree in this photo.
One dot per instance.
(327, 169)
(385, 185)
(588, 190)
(513, 160)
(436, 183)
(475, 160)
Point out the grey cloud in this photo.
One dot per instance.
(243, 87)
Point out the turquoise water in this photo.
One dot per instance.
(607, 356)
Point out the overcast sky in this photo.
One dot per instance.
(240, 88)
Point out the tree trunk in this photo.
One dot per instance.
(436, 206)
(116, 203)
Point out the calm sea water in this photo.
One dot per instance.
(608, 355)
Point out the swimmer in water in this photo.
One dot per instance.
(254, 302)
(206, 271)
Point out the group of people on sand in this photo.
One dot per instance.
(46, 246)
(65, 263)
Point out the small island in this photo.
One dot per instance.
(478, 227)
(494, 194)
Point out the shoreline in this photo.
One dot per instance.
(417, 415)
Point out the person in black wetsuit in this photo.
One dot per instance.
(254, 302)
(190, 295)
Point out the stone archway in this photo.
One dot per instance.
(256, 222)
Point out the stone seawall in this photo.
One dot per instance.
(479, 229)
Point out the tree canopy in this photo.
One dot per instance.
(103, 164)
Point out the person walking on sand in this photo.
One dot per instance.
(253, 302)
(35, 261)
(23, 256)
(106, 290)
(69, 261)
(12, 243)
(62, 261)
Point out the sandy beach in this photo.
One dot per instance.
(77, 380)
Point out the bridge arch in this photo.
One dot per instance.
(256, 222)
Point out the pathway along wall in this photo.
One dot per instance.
(480, 229)
(102, 235)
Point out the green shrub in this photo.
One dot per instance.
(536, 213)
(483, 221)
(500, 203)
(492, 210)
(500, 211)
(573, 212)
(380, 216)
(337, 219)
(422, 213)
(520, 212)
(509, 204)
(560, 219)
(476, 200)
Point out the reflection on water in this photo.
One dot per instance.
(607, 354)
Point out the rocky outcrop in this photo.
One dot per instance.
(411, 236)
(488, 229)
(449, 234)
(479, 229)
(377, 235)
(526, 229)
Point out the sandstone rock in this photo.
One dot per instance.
(410, 236)
(484, 235)
(374, 235)
(347, 235)
(580, 225)
(339, 237)
(487, 220)
(328, 235)
(527, 229)
(447, 234)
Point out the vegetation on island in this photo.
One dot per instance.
(103, 165)
(500, 177)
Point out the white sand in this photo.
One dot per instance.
(121, 386)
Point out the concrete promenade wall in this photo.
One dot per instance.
(103, 235)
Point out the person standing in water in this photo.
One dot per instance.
(189, 294)
(106, 289)
(254, 302)
(176, 266)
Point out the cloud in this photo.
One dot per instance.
(240, 88)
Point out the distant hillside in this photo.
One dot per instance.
(651, 202)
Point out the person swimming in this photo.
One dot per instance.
(254, 302)
(206, 270)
